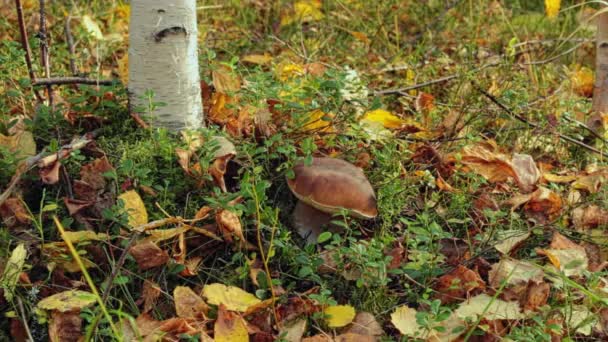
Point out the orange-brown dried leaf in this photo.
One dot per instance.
(544, 205)
(148, 255)
(149, 295)
(74, 206)
(217, 170)
(589, 217)
(221, 109)
(92, 173)
(65, 326)
(458, 284)
(224, 79)
(13, 212)
(485, 159)
(230, 225)
(191, 266)
(537, 295)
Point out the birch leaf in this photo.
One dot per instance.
(384, 117)
(230, 327)
(339, 315)
(404, 319)
(67, 301)
(231, 297)
(12, 270)
(135, 208)
(489, 308)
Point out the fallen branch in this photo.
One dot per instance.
(70, 80)
(42, 161)
(520, 118)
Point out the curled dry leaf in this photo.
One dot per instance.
(591, 183)
(229, 327)
(536, 296)
(149, 295)
(50, 174)
(13, 212)
(293, 331)
(65, 326)
(485, 159)
(231, 297)
(230, 225)
(592, 216)
(93, 173)
(526, 171)
(75, 206)
(458, 284)
(148, 255)
(544, 205)
(188, 304)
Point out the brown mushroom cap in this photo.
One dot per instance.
(331, 184)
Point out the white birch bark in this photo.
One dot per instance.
(163, 57)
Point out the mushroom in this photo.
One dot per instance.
(326, 187)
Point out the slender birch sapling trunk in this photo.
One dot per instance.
(163, 58)
(600, 88)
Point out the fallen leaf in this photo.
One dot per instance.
(589, 217)
(123, 69)
(318, 121)
(293, 331)
(233, 298)
(552, 178)
(14, 213)
(50, 174)
(158, 235)
(84, 235)
(582, 80)
(459, 283)
(150, 293)
(510, 240)
(264, 59)
(230, 225)
(148, 255)
(484, 159)
(404, 319)
(224, 80)
(591, 183)
(536, 296)
(67, 301)
(514, 272)
(65, 326)
(350, 337)
(489, 308)
(188, 304)
(93, 173)
(12, 270)
(229, 327)
(22, 144)
(365, 324)
(579, 317)
(135, 208)
(75, 206)
(526, 171)
(544, 205)
(387, 119)
(339, 315)
(573, 262)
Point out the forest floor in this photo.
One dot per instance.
(471, 120)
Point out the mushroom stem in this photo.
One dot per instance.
(310, 222)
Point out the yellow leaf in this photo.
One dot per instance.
(318, 121)
(360, 36)
(12, 270)
(552, 8)
(229, 327)
(158, 235)
(123, 69)
(224, 80)
(582, 81)
(287, 70)
(232, 297)
(122, 11)
(257, 59)
(404, 319)
(91, 27)
(135, 208)
(384, 117)
(84, 235)
(303, 11)
(67, 301)
(22, 144)
(339, 315)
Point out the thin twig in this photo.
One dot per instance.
(400, 91)
(26, 46)
(535, 125)
(24, 319)
(44, 51)
(70, 80)
(70, 41)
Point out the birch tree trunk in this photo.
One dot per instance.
(600, 88)
(163, 57)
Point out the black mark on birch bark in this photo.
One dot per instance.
(175, 30)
